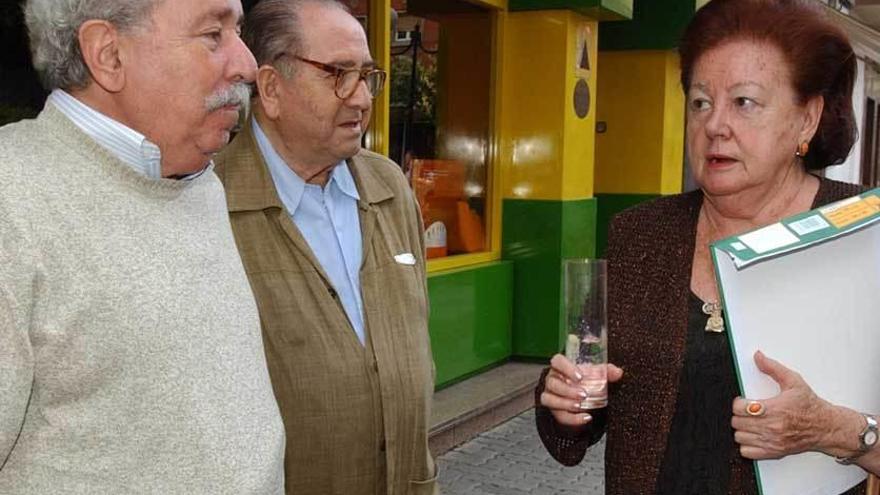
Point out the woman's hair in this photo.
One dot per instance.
(820, 60)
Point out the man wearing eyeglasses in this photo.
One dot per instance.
(331, 239)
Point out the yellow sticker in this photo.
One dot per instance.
(853, 212)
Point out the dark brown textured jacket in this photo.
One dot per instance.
(650, 252)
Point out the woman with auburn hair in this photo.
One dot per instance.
(769, 89)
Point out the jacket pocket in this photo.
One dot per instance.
(426, 487)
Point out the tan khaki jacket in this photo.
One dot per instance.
(356, 415)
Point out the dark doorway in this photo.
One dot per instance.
(871, 145)
(21, 95)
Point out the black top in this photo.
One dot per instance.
(701, 445)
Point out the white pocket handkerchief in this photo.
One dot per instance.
(405, 259)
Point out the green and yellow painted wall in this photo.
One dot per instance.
(545, 209)
(554, 180)
(641, 108)
(549, 212)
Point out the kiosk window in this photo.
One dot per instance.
(440, 79)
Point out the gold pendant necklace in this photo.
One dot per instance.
(715, 323)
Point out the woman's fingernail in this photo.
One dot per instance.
(586, 418)
(567, 381)
(583, 394)
(578, 376)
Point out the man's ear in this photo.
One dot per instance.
(99, 44)
(269, 87)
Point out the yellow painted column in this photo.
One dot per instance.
(641, 114)
(548, 148)
(376, 138)
(641, 110)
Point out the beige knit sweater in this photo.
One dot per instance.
(130, 352)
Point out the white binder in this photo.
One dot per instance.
(806, 292)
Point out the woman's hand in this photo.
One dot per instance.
(795, 421)
(563, 396)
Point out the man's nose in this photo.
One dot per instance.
(361, 98)
(242, 65)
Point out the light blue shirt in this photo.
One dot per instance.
(328, 220)
(123, 142)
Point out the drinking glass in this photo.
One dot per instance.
(586, 343)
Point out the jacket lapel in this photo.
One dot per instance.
(373, 191)
(249, 187)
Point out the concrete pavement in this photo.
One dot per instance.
(510, 460)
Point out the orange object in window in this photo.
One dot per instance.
(441, 178)
(435, 240)
(470, 229)
(437, 184)
(451, 226)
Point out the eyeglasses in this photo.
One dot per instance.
(347, 79)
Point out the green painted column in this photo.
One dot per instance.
(603, 10)
(538, 235)
(654, 25)
(471, 313)
(548, 149)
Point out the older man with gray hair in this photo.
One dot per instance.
(332, 240)
(130, 352)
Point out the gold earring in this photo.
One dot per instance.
(802, 150)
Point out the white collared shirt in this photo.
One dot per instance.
(123, 142)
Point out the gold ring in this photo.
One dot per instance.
(755, 408)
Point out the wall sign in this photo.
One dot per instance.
(581, 98)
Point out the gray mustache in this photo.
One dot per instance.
(237, 94)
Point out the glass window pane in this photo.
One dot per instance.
(440, 113)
